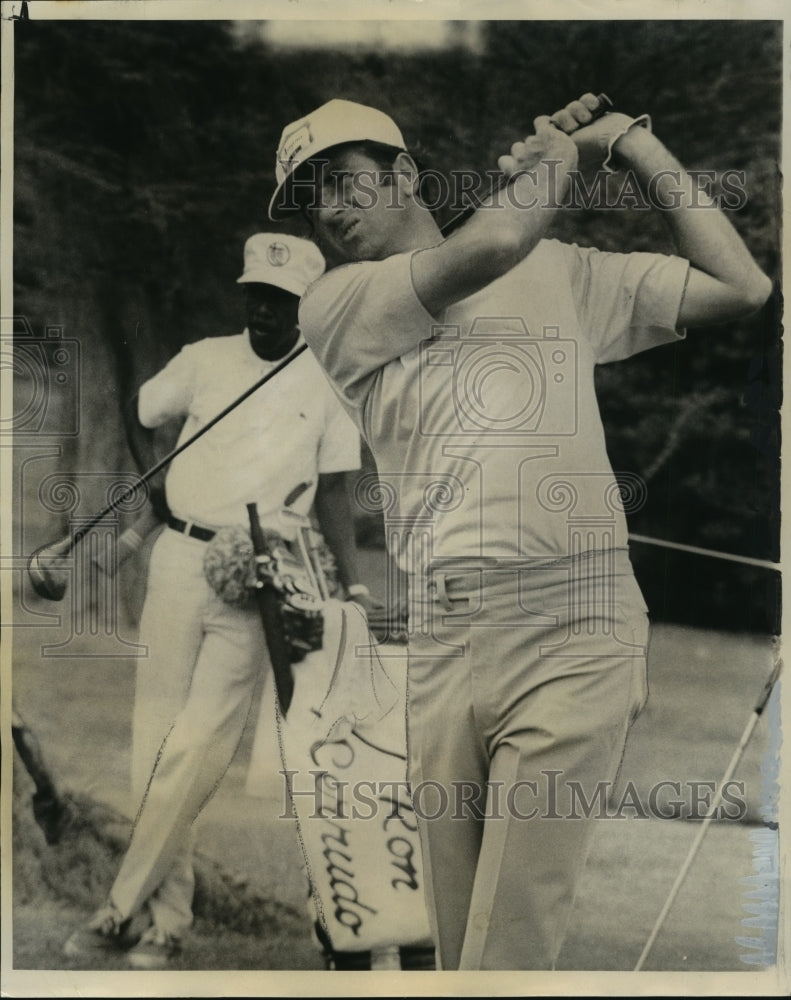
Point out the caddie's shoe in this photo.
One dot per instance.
(104, 932)
(155, 950)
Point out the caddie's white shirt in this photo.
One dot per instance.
(286, 433)
(485, 426)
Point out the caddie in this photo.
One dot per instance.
(289, 443)
(467, 362)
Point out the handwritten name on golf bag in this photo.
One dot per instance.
(343, 748)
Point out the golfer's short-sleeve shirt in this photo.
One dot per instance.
(283, 435)
(484, 422)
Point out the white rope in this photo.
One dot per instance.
(747, 560)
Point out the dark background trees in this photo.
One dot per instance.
(144, 157)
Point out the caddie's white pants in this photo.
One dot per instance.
(521, 688)
(193, 694)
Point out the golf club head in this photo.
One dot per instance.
(48, 577)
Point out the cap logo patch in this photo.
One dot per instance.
(278, 254)
(293, 143)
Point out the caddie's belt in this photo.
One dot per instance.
(191, 529)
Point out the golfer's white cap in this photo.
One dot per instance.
(333, 123)
(283, 260)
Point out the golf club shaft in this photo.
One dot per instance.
(605, 105)
(144, 477)
(321, 577)
(305, 553)
(753, 721)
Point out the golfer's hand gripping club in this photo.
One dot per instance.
(591, 124)
(595, 128)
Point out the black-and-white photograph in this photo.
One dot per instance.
(390, 453)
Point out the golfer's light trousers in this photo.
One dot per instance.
(522, 685)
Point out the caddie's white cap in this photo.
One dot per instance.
(333, 123)
(283, 260)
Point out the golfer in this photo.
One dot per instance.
(468, 364)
